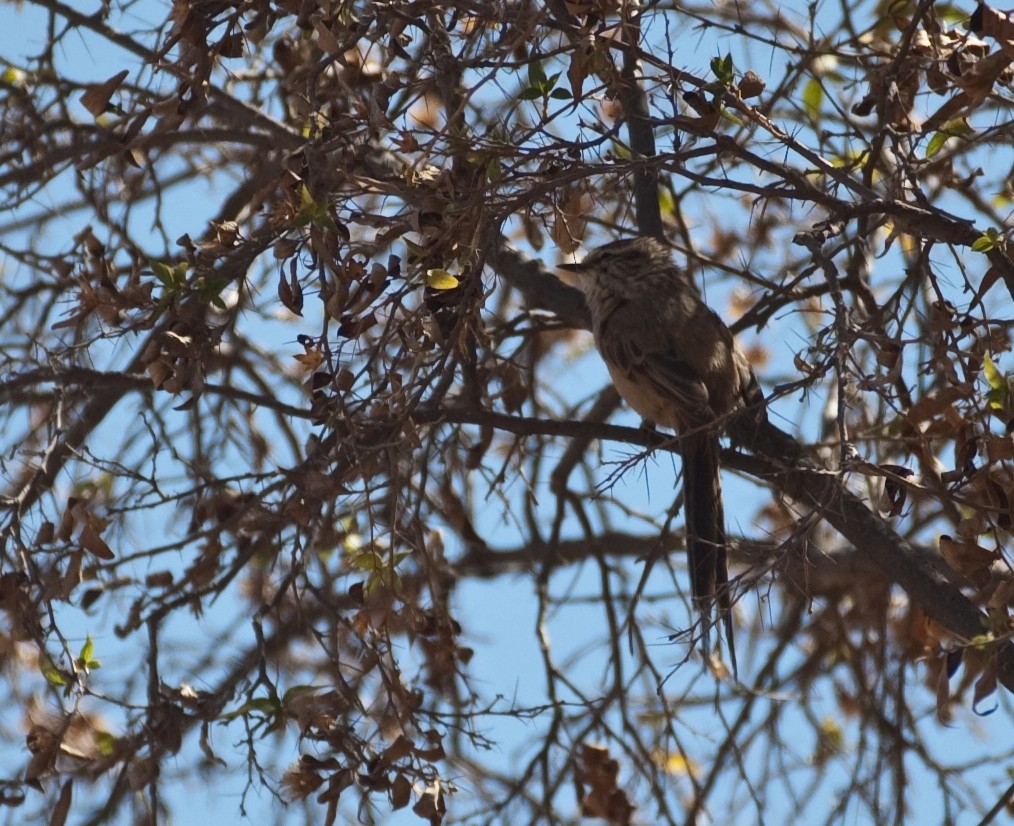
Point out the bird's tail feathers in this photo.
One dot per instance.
(706, 540)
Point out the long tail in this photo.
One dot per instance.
(706, 541)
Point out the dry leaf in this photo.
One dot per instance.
(967, 558)
(96, 97)
(62, 807)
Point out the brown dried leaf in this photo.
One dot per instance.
(159, 371)
(205, 744)
(159, 579)
(290, 293)
(435, 751)
(928, 407)
(300, 780)
(332, 813)
(399, 749)
(338, 782)
(231, 45)
(91, 541)
(604, 799)
(580, 65)
(46, 534)
(751, 85)
(895, 490)
(709, 114)
(944, 713)
(96, 97)
(325, 37)
(1001, 598)
(284, 248)
(44, 745)
(311, 358)
(985, 686)
(999, 448)
(431, 805)
(978, 82)
(514, 389)
(69, 519)
(62, 807)
(352, 327)
(401, 792)
(61, 588)
(996, 24)
(967, 558)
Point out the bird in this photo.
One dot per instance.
(677, 364)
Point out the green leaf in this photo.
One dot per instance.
(86, 658)
(982, 642)
(106, 743)
(53, 675)
(952, 129)
(936, 143)
(536, 74)
(540, 86)
(13, 76)
(958, 128)
(727, 115)
(986, 241)
(998, 396)
(723, 69)
(666, 201)
(620, 150)
(437, 279)
(813, 97)
(267, 705)
(162, 272)
(366, 561)
(994, 377)
(299, 691)
(87, 649)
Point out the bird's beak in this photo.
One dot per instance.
(578, 268)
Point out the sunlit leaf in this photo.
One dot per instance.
(722, 68)
(813, 97)
(999, 390)
(13, 76)
(985, 242)
(438, 279)
(953, 129)
(53, 675)
(106, 743)
(87, 649)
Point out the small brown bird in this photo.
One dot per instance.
(676, 363)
